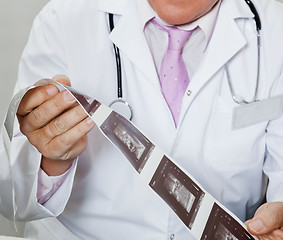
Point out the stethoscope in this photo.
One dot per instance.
(119, 105)
(236, 97)
(124, 108)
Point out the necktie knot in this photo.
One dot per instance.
(176, 37)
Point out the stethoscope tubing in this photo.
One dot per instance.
(237, 98)
(256, 15)
(118, 60)
(119, 104)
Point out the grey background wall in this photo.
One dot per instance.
(16, 17)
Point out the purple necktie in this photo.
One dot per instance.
(173, 74)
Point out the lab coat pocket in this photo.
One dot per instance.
(227, 149)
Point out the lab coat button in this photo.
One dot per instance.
(189, 92)
(172, 236)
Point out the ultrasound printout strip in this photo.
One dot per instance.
(202, 215)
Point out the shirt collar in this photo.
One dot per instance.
(205, 23)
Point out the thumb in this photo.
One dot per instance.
(61, 78)
(267, 218)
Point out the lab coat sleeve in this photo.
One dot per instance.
(43, 57)
(56, 202)
(48, 185)
(273, 165)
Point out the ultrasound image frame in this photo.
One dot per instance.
(159, 183)
(132, 143)
(218, 221)
(89, 104)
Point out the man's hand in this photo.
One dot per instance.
(55, 124)
(267, 223)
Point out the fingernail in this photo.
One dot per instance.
(51, 90)
(257, 226)
(68, 97)
(61, 76)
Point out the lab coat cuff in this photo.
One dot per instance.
(57, 200)
(48, 185)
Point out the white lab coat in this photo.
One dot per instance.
(107, 199)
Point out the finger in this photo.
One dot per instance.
(76, 149)
(60, 124)
(38, 95)
(49, 110)
(35, 97)
(278, 234)
(268, 218)
(61, 78)
(275, 235)
(264, 237)
(60, 146)
(247, 222)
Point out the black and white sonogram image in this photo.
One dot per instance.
(221, 226)
(88, 103)
(177, 190)
(132, 143)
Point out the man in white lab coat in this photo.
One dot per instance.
(63, 167)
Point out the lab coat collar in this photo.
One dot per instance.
(115, 7)
(238, 9)
(227, 38)
(206, 23)
(129, 37)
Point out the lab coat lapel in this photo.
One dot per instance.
(228, 38)
(226, 41)
(129, 37)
